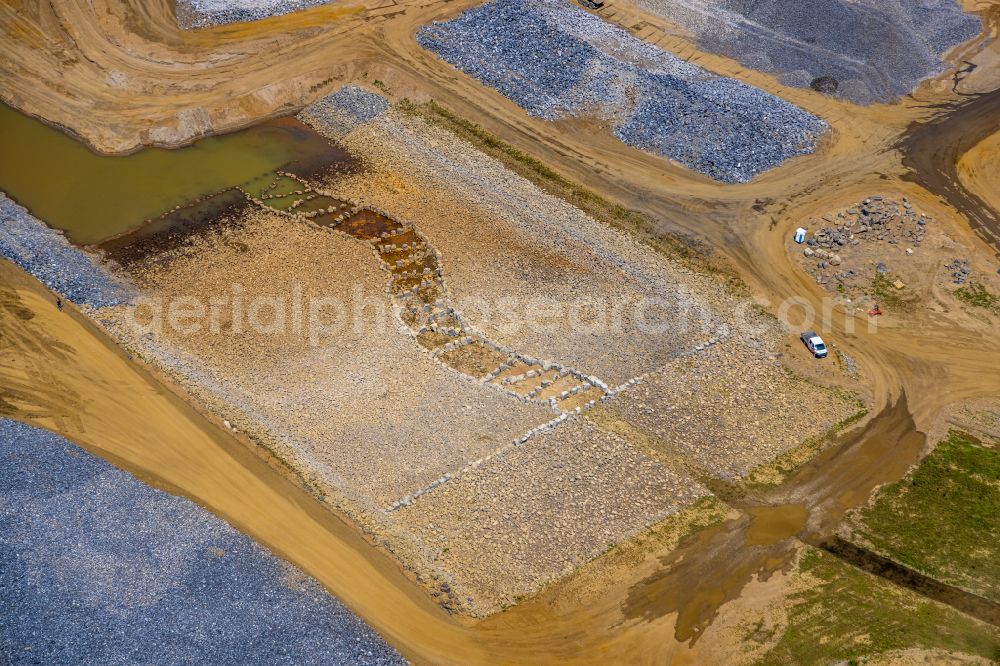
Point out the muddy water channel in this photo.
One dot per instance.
(715, 565)
(93, 197)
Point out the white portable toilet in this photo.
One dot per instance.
(800, 235)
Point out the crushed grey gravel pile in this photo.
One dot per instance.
(556, 60)
(98, 568)
(201, 13)
(340, 112)
(46, 254)
(864, 51)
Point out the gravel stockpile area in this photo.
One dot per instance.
(509, 251)
(539, 510)
(878, 236)
(98, 568)
(556, 60)
(864, 51)
(52, 260)
(340, 112)
(201, 13)
(364, 410)
(728, 411)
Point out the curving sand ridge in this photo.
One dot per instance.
(123, 74)
(58, 372)
(978, 171)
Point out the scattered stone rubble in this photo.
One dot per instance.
(52, 260)
(556, 60)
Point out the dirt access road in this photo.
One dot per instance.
(180, 85)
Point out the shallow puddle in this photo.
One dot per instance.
(94, 197)
(770, 524)
(283, 203)
(368, 225)
(283, 185)
(317, 204)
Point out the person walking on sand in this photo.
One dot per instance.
(59, 304)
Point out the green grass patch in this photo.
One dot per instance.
(844, 613)
(686, 251)
(883, 290)
(978, 296)
(943, 519)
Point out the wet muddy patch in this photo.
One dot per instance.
(173, 229)
(712, 567)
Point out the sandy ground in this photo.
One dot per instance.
(978, 170)
(934, 359)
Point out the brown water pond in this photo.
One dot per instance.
(94, 197)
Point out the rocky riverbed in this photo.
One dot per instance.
(99, 568)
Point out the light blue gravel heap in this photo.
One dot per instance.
(98, 568)
(556, 61)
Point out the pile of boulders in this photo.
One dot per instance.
(959, 270)
(830, 46)
(557, 60)
(876, 220)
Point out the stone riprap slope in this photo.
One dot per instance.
(98, 568)
(358, 404)
(726, 411)
(864, 51)
(201, 13)
(343, 110)
(506, 246)
(52, 260)
(427, 422)
(557, 61)
(534, 513)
